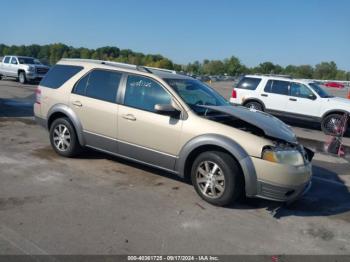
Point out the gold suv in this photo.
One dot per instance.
(173, 122)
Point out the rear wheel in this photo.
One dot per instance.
(63, 138)
(22, 77)
(254, 105)
(217, 178)
(331, 124)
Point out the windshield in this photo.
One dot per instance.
(196, 94)
(26, 60)
(319, 90)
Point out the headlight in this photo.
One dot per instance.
(31, 69)
(284, 156)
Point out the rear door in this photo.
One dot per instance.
(275, 95)
(93, 99)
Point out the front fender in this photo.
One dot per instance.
(64, 109)
(228, 144)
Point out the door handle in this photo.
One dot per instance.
(264, 95)
(129, 117)
(77, 103)
(293, 99)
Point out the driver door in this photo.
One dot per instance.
(144, 134)
(302, 101)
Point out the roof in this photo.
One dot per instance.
(160, 72)
(281, 78)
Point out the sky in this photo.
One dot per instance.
(281, 31)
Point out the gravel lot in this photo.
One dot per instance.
(97, 204)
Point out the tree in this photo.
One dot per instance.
(325, 70)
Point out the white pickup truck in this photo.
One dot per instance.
(22, 68)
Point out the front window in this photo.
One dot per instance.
(26, 60)
(300, 90)
(144, 93)
(319, 90)
(196, 94)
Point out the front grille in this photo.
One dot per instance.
(41, 71)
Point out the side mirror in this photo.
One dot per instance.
(166, 109)
(312, 97)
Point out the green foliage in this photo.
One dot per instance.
(50, 54)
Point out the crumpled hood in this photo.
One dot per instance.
(270, 125)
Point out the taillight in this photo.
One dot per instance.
(234, 93)
(37, 95)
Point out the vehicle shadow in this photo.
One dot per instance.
(328, 196)
(17, 107)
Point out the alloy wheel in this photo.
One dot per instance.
(210, 179)
(61, 137)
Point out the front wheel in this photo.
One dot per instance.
(22, 77)
(331, 125)
(217, 178)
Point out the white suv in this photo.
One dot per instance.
(292, 98)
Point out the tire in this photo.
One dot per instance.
(22, 77)
(329, 124)
(226, 181)
(63, 138)
(0, 77)
(254, 105)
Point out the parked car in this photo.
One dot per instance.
(22, 68)
(292, 98)
(173, 122)
(334, 84)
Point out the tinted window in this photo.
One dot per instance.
(277, 87)
(103, 85)
(249, 83)
(58, 75)
(14, 61)
(80, 86)
(26, 60)
(300, 90)
(7, 59)
(144, 93)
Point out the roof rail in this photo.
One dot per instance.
(146, 69)
(275, 75)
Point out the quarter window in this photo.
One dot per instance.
(99, 84)
(58, 75)
(277, 87)
(7, 60)
(249, 83)
(144, 93)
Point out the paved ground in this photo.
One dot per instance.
(97, 204)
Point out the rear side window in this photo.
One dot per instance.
(277, 87)
(58, 75)
(7, 60)
(99, 84)
(249, 83)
